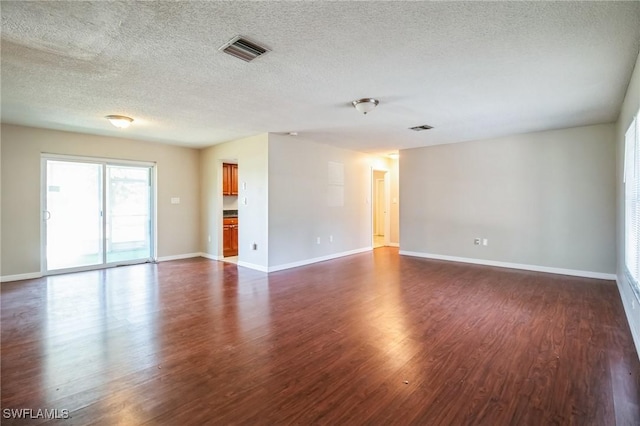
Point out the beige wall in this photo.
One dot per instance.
(395, 202)
(251, 154)
(542, 199)
(299, 211)
(195, 225)
(177, 176)
(629, 108)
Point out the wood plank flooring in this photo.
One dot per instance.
(374, 338)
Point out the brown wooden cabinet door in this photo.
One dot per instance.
(234, 179)
(226, 179)
(229, 179)
(226, 240)
(234, 240)
(230, 237)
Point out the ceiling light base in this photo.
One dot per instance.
(120, 121)
(365, 105)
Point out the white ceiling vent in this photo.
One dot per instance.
(420, 128)
(244, 49)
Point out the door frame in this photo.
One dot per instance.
(218, 213)
(387, 204)
(153, 229)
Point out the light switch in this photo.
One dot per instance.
(244, 201)
(175, 200)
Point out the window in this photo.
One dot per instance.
(632, 203)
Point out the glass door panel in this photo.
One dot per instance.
(73, 214)
(128, 217)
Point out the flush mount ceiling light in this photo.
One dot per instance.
(394, 155)
(365, 105)
(421, 128)
(120, 121)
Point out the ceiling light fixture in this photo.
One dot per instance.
(394, 155)
(120, 121)
(421, 128)
(365, 105)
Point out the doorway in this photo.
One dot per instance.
(380, 208)
(96, 214)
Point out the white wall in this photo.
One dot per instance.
(542, 199)
(230, 202)
(298, 202)
(177, 176)
(252, 158)
(629, 109)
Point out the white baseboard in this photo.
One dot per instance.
(535, 268)
(178, 257)
(20, 277)
(253, 266)
(210, 256)
(632, 317)
(316, 259)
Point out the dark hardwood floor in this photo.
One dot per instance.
(373, 338)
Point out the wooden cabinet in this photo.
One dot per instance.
(229, 179)
(230, 237)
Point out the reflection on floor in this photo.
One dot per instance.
(230, 259)
(378, 241)
(69, 259)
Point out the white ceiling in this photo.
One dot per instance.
(472, 70)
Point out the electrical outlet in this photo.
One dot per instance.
(318, 240)
(209, 238)
(254, 246)
(485, 241)
(330, 238)
(476, 241)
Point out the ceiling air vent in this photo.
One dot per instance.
(243, 49)
(420, 128)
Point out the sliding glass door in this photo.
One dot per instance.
(73, 215)
(96, 214)
(128, 215)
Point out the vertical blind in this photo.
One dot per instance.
(632, 202)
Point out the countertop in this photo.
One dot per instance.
(229, 213)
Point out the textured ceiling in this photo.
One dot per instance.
(472, 70)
